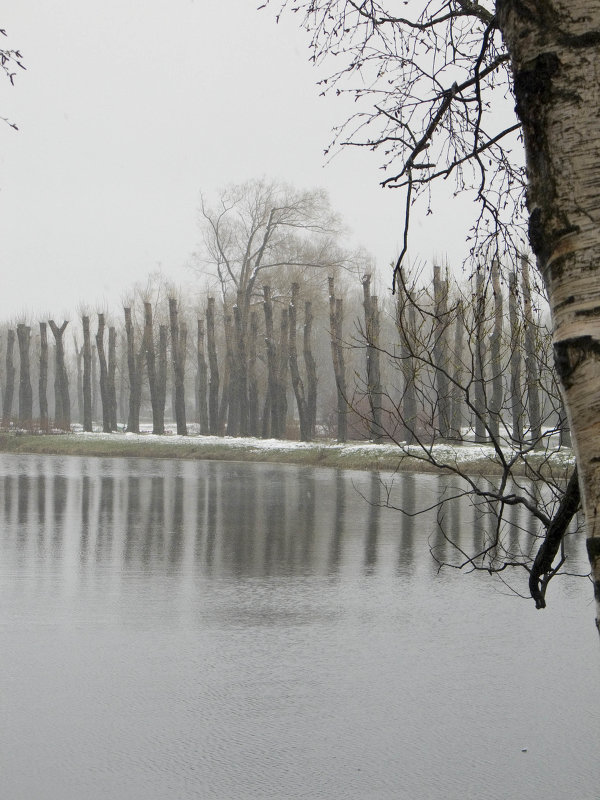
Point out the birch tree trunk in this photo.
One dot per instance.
(556, 69)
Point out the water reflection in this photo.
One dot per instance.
(235, 519)
(216, 630)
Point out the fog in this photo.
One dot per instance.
(127, 111)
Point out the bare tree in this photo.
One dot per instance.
(104, 394)
(43, 377)
(87, 374)
(25, 389)
(9, 387)
(178, 354)
(336, 320)
(62, 403)
(430, 82)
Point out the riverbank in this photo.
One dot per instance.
(471, 458)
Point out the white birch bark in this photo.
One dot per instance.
(555, 54)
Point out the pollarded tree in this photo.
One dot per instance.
(439, 72)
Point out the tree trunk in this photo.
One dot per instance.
(87, 375)
(79, 365)
(373, 360)
(241, 371)
(161, 376)
(311, 372)
(516, 396)
(271, 412)
(479, 403)
(25, 390)
(456, 392)
(158, 416)
(123, 383)
(556, 70)
(283, 371)
(62, 405)
(336, 311)
(104, 397)
(9, 389)
(531, 364)
(252, 379)
(226, 408)
(297, 383)
(134, 371)
(440, 352)
(178, 348)
(111, 378)
(94, 384)
(213, 384)
(43, 377)
(202, 382)
(405, 324)
(495, 353)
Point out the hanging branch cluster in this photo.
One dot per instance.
(432, 94)
(10, 61)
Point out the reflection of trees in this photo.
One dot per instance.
(339, 516)
(373, 523)
(406, 528)
(245, 520)
(276, 519)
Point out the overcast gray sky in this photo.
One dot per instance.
(128, 110)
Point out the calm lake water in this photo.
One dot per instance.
(174, 630)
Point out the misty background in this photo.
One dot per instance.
(127, 111)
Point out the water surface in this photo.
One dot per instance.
(215, 630)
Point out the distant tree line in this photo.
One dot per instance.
(322, 357)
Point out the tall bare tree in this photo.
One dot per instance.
(62, 402)
(430, 82)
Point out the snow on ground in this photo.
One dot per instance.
(460, 454)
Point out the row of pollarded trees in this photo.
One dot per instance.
(434, 365)
(458, 366)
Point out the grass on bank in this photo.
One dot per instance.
(470, 458)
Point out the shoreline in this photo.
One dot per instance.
(474, 459)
